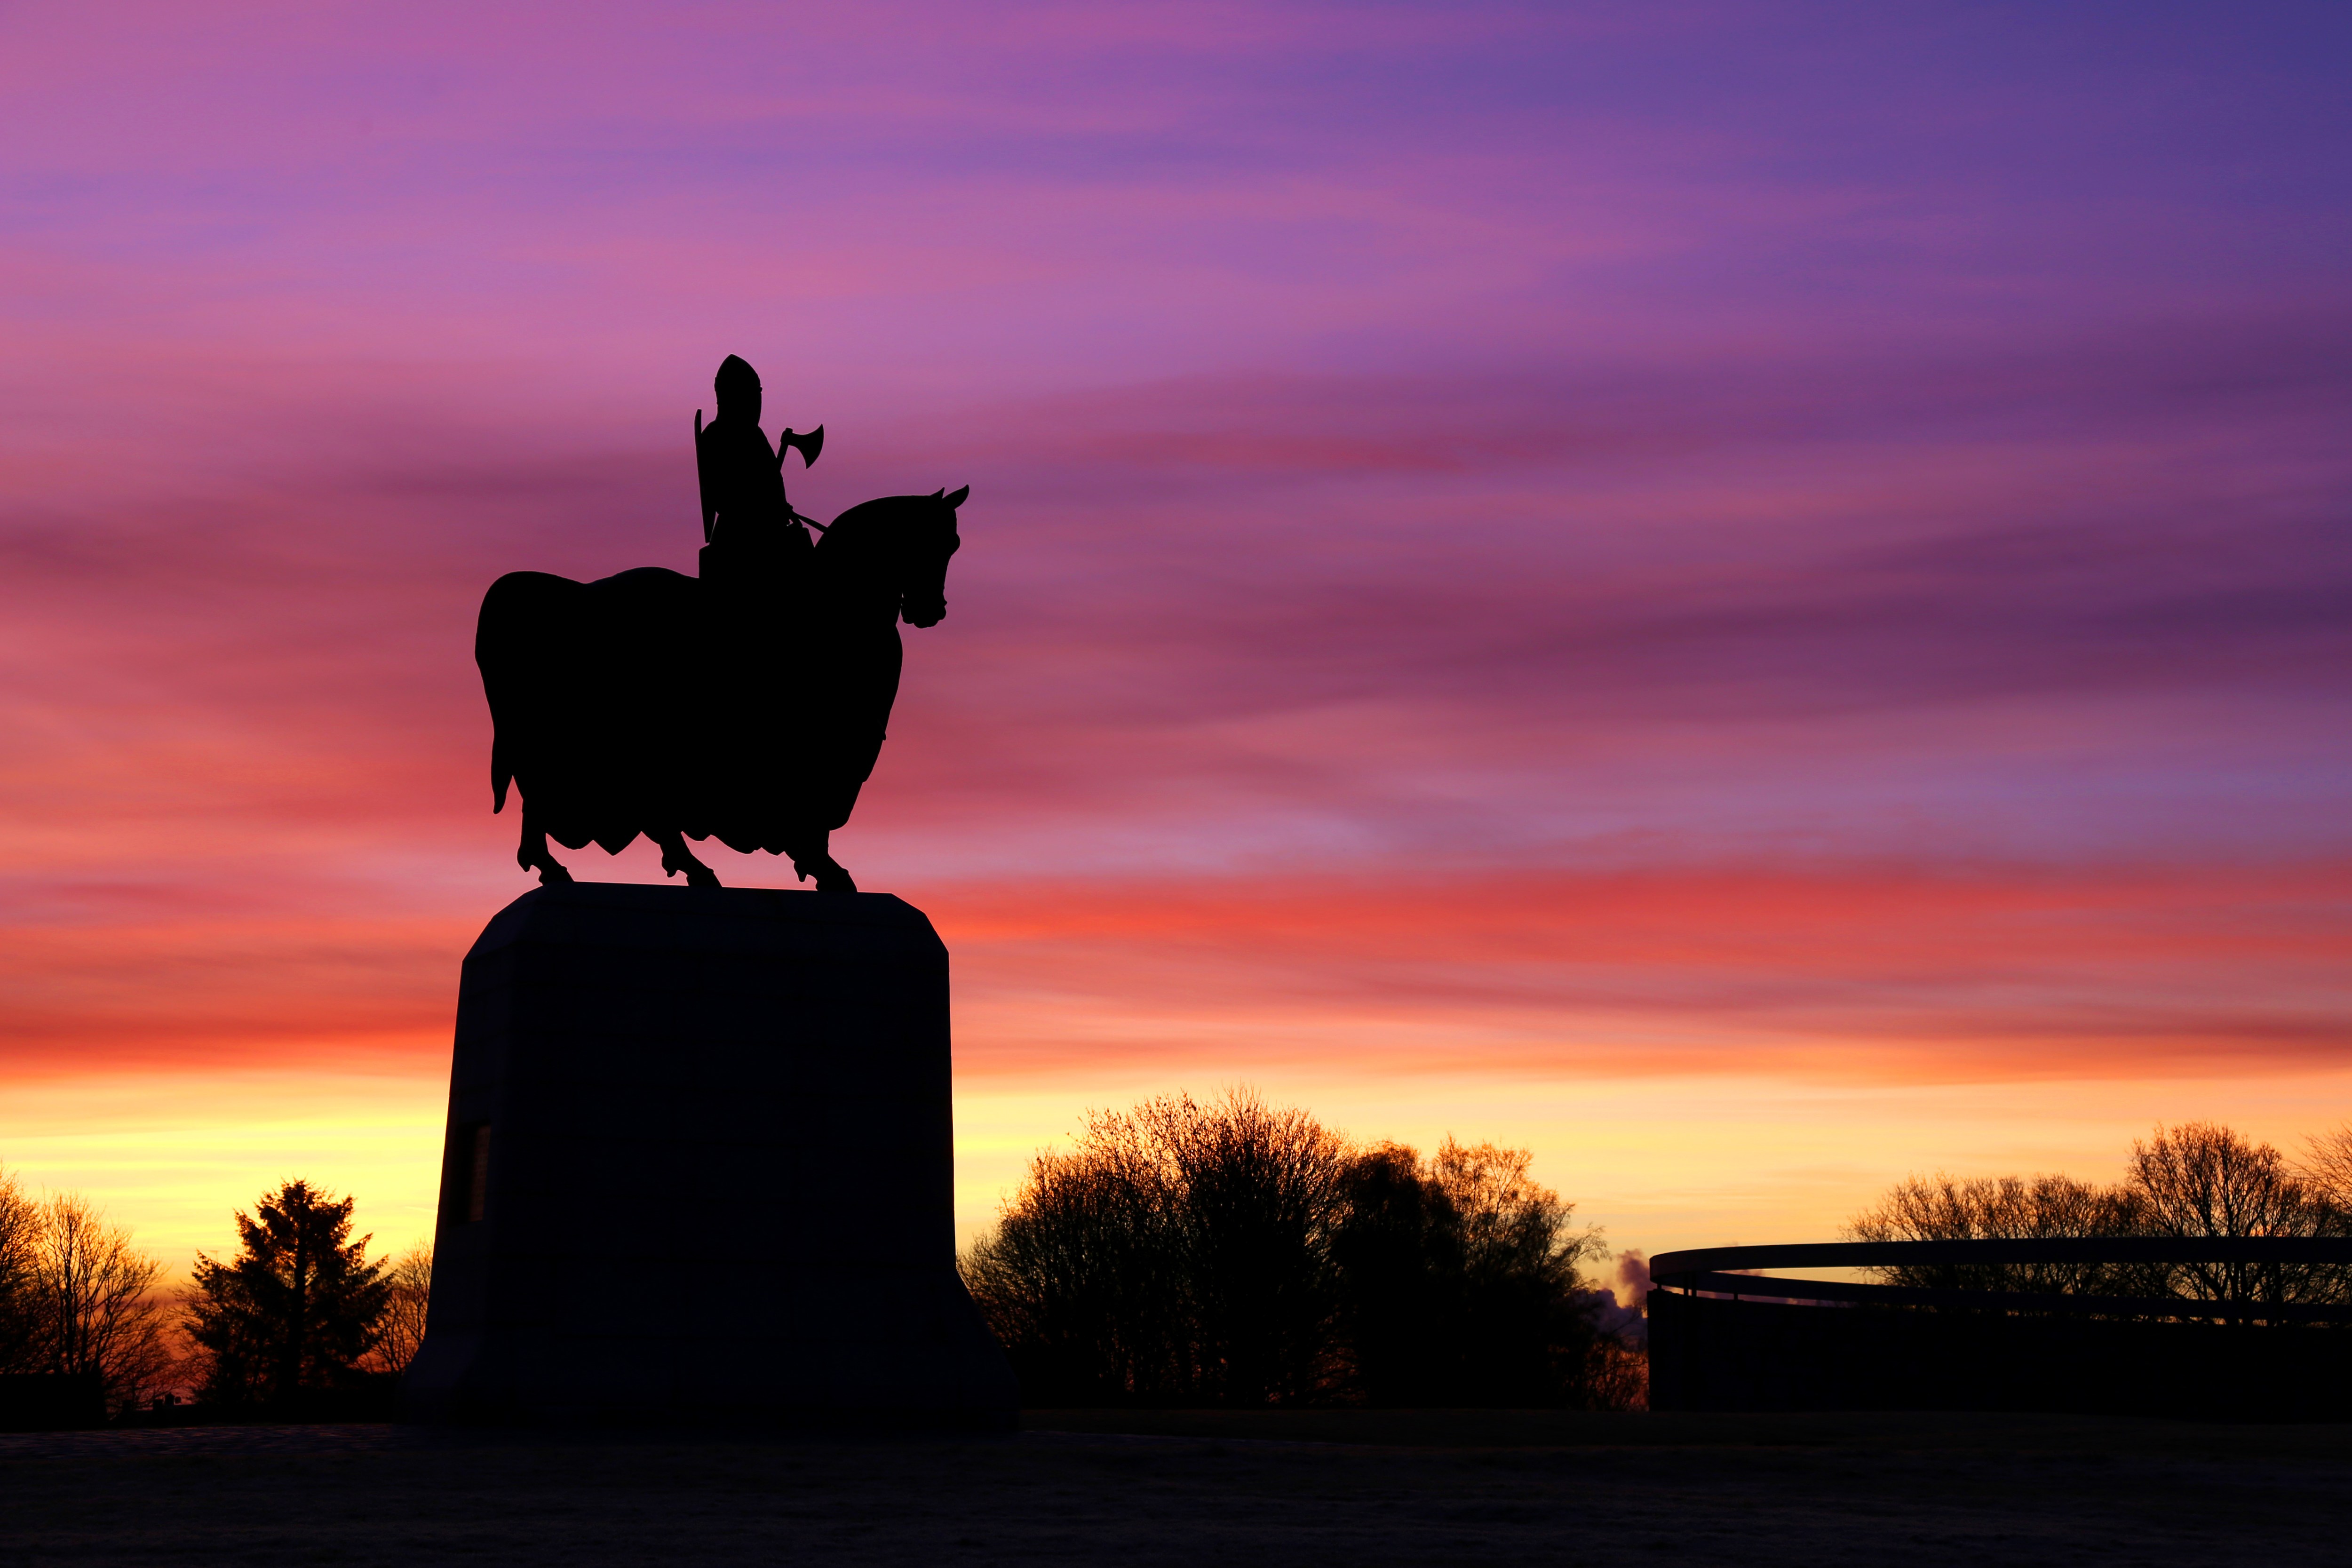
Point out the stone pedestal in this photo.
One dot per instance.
(699, 1168)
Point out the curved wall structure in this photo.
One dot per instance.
(1722, 1340)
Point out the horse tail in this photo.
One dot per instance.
(503, 636)
(501, 774)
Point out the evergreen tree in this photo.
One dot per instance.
(297, 1307)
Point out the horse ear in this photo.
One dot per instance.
(957, 500)
(939, 493)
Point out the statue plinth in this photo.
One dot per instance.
(700, 1167)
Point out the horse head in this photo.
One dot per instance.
(930, 540)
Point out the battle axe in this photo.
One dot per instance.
(809, 445)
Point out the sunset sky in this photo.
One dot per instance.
(1756, 598)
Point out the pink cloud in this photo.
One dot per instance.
(1713, 540)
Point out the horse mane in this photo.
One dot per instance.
(871, 529)
(860, 519)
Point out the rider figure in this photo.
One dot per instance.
(750, 531)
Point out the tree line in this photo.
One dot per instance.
(1232, 1253)
(1240, 1254)
(298, 1312)
(2196, 1181)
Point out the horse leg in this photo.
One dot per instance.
(677, 857)
(811, 858)
(533, 853)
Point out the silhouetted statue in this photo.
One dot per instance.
(748, 529)
(747, 704)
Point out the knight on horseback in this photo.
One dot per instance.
(750, 531)
(769, 677)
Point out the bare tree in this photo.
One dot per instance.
(1081, 1279)
(1180, 1252)
(94, 1294)
(2004, 1208)
(20, 1230)
(1510, 1223)
(2201, 1180)
(2326, 1171)
(1258, 1191)
(400, 1331)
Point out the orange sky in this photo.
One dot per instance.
(1754, 599)
(1694, 1056)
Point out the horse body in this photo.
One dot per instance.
(737, 705)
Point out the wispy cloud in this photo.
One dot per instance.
(1740, 538)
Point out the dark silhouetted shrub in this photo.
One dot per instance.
(1237, 1254)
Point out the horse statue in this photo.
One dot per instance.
(747, 704)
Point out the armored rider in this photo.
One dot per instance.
(750, 532)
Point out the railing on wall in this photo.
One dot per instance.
(1707, 1270)
(2269, 1349)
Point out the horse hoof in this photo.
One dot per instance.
(550, 875)
(702, 876)
(833, 880)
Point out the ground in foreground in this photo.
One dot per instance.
(1179, 1487)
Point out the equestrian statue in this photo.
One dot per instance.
(771, 674)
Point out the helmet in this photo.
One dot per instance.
(735, 376)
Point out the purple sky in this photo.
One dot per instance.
(1740, 447)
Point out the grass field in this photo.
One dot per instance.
(1196, 1486)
